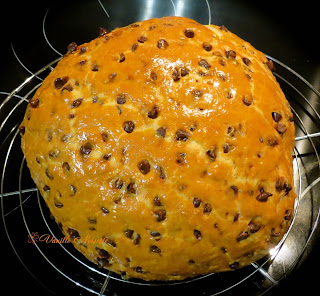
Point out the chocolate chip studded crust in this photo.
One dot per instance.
(164, 150)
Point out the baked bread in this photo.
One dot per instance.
(164, 150)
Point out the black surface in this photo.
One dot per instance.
(284, 30)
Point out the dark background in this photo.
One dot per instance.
(285, 30)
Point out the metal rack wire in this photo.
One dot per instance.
(20, 197)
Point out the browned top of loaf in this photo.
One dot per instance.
(170, 140)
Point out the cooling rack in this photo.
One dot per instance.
(31, 231)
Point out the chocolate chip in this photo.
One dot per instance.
(234, 265)
(103, 253)
(231, 131)
(153, 76)
(155, 249)
(197, 234)
(191, 261)
(270, 65)
(189, 33)
(102, 31)
(287, 188)
(86, 148)
(272, 142)
(207, 208)
(155, 234)
(196, 202)
(82, 62)
(157, 201)
(121, 99)
(73, 233)
(104, 137)
(280, 184)
(83, 49)
(48, 174)
(144, 166)
(134, 46)
(161, 132)
(22, 130)
(223, 249)
(246, 61)
(92, 220)
(112, 76)
(142, 39)
(176, 75)
(253, 227)
(161, 215)
(128, 233)
(66, 166)
(135, 25)
(263, 196)
(68, 87)
(182, 135)
(95, 68)
(181, 158)
(54, 154)
(184, 72)
(128, 126)
(204, 63)
(104, 210)
(137, 239)
(162, 173)
(281, 128)
(131, 188)
(203, 73)
(226, 147)
(242, 235)
(138, 269)
(154, 112)
(162, 44)
(118, 184)
(234, 188)
(49, 136)
(111, 242)
(276, 116)
(103, 262)
(288, 215)
(46, 188)
(76, 103)
(212, 153)
(60, 82)
(207, 46)
(73, 190)
(122, 57)
(247, 100)
(223, 28)
(34, 102)
(106, 156)
(236, 217)
(197, 93)
(231, 54)
(193, 127)
(72, 47)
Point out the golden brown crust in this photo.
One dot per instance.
(169, 143)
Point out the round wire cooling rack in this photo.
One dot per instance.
(31, 231)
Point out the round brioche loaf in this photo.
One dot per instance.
(164, 150)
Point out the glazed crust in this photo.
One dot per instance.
(164, 150)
